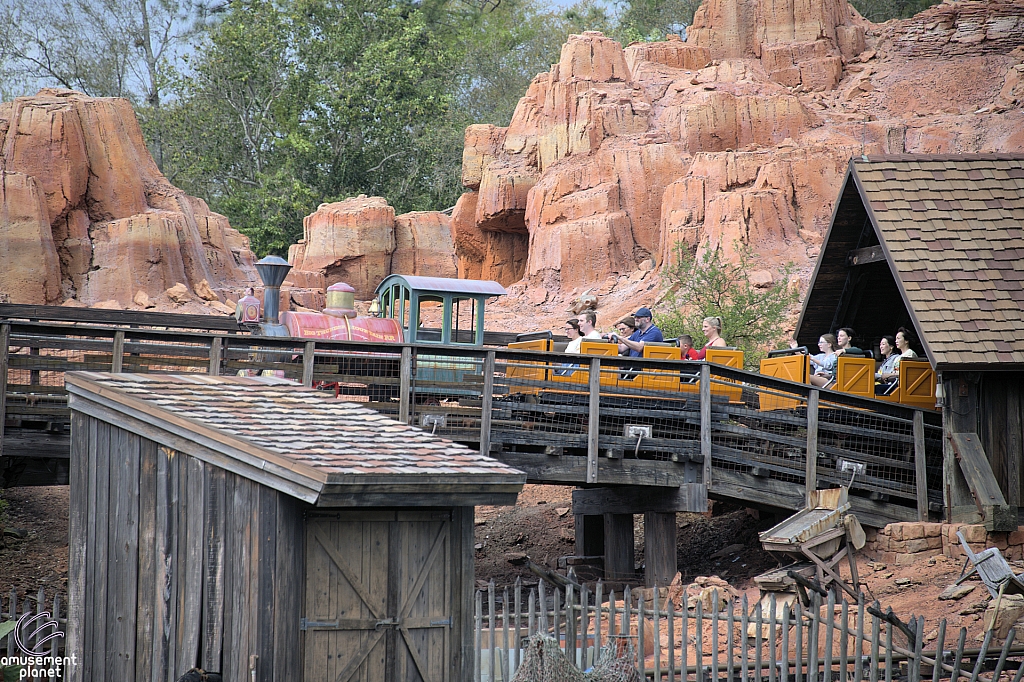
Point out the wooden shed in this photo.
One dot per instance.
(267, 532)
(936, 244)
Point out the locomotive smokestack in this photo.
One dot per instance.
(273, 270)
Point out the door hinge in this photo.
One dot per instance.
(305, 624)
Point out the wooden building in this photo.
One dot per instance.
(936, 244)
(267, 532)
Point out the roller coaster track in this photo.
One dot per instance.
(711, 430)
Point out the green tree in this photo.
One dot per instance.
(651, 20)
(753, 319)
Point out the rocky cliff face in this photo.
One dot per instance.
(360, 241)
(739, 136)
(88, 217)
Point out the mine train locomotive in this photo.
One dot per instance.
(416, 309)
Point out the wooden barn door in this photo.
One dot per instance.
(378, 597)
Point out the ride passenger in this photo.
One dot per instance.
(890, 360)
(844, 341)
(686, 349)
(825, 362)
(712, 328)
(572, 330)
(645, 332)
(588, 325)
(904, 338)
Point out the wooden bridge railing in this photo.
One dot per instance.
(561, 418)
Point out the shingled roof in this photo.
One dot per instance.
(300, 441)
(952, 231)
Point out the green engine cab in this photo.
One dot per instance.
(437, 310)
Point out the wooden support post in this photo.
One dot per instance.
(594, 422)
(308, 353)
(1014, 445)
(920, 468)
(216, 345)
(486, 398)
(811, 465)
(589, 534)
(618, 547)
(405, 380)
(705, 422)
(118, 357)
(659, 548)
(5, 341)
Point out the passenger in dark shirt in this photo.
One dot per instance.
(844, 340)
(645, 331)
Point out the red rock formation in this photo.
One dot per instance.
(360, 241)
(739, 136)
(86, 214)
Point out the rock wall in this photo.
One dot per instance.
(87, 216)
(360, 241)
(739, 136)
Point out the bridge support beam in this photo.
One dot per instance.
(659, 548)
(618, 547)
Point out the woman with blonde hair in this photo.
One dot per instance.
(712, 328)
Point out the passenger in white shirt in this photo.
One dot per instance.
(588, 325)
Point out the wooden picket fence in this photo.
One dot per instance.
(824, 641)
(33, 604)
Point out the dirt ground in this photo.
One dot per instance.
(540, 527)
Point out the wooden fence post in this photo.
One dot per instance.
(705, 422)
(216, 344)
(594, 422)
(485, 404)
(404, 382)
(920, 466)
(308, 353)
(118, 357)
(5, 340)
(811, 465)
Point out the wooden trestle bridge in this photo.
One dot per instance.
(685, 431)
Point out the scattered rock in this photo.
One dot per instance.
(956, 592)
(975, 609)
(478, 546)
(226, 309)
(179, 293)
(1001, 614)
(204, 291)
(141, 299)
(112, 304)
(728, 551)
(516, 558)
(73, 303)
(761, 279)
(562, 511)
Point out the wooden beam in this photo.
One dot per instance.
(705, 423)
(486, 402)
(120, 317)
(572, 470)
(618, 547)
(920, 467)
(811, 463)
(1014, 444)
(689, 497)
(5, 339)
(216, 346)
(405, 384)
(117, 359)
(998, 515)
(594, 419)
(870, 254)
(308, 356)
(589, 534)
(659, 548)
(958, 414)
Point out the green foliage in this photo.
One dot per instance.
(753, 319)
(651, 20)
(879, 11)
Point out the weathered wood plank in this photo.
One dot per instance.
(593, 419)
(216, 355)
(1014, 444)
(123, 558)
(976, 469)
(659, 548)
(486, 403)
(191, 555)
(265, 602)
(166, 499)
(689, 497)
(229, 641)
(213, 578)
(78, 537)
(705, 423)
(289, 551)
(119, 317)
(811, 460)
(405, 385)
(5, 337)
(117, 358)
(100, 508)
(147, 586)
(308, 356)
(920, 467)
(618, 547)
